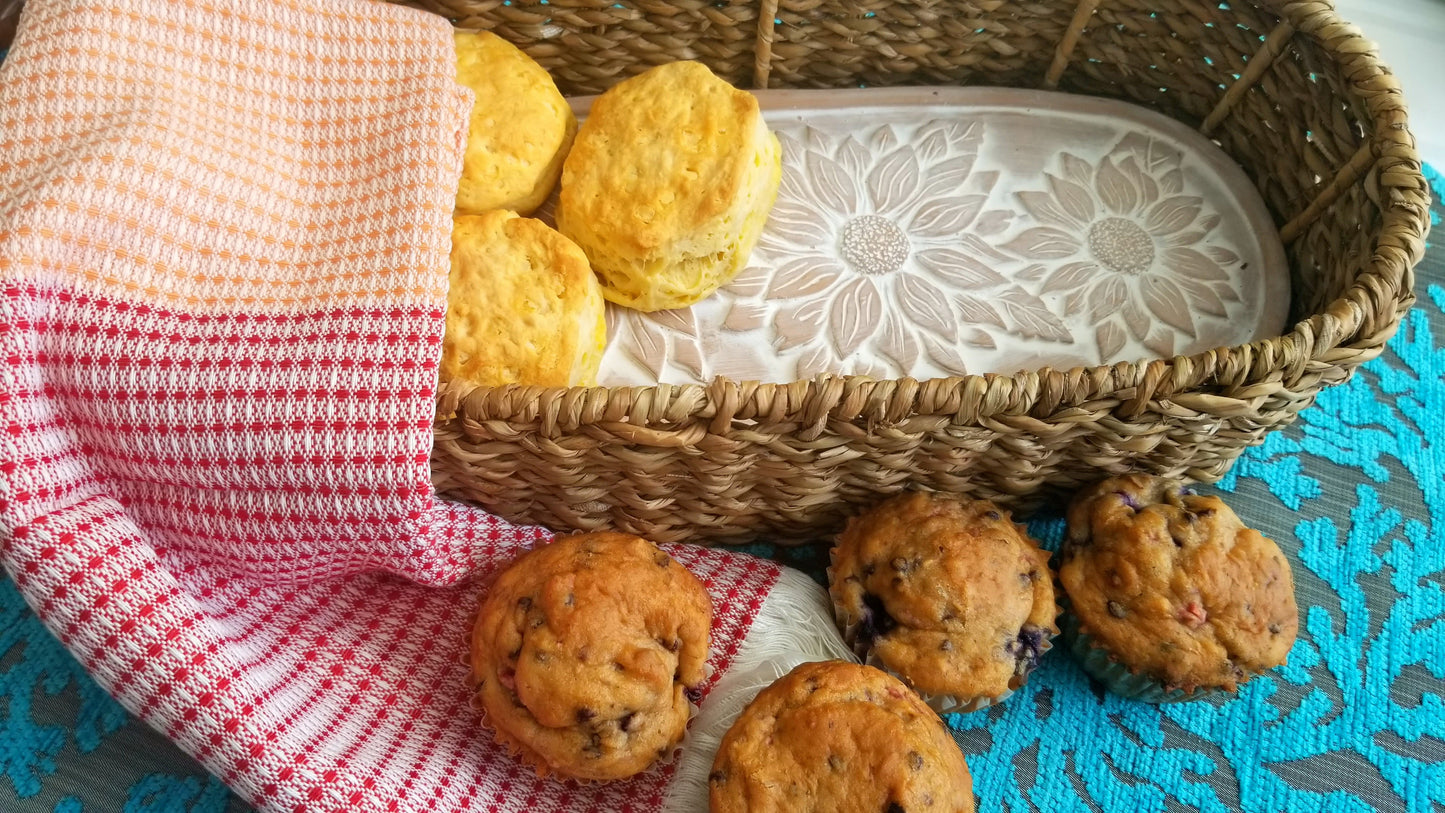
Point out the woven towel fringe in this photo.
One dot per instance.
(794, 626)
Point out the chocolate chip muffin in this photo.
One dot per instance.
(948, 594)
(583, 651)
(835, 736)
(1171, 597)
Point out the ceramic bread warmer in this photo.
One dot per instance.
(1017, 247)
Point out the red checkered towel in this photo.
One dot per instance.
(224, 236)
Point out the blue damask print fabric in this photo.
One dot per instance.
(1354, 492)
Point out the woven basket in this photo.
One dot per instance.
(1287, 89)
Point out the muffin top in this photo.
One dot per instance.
(583, 649)
(519, 131)
(523, 306)
(1173, 585)
(835, 736)
(949, 594)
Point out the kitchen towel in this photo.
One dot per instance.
(224, 237)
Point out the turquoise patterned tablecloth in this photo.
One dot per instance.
(1354, 492)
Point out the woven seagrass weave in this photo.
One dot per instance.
(1290, 91)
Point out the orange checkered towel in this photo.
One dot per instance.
(224, 237)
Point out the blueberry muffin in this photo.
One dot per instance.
(583, 651)
(948, 594)
(835, 736)
(1170, 596)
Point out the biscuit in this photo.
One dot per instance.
(523, 306)
(668, 185)
(520, 128)
(1171, 593)
(842, 737)
(949, 594)
(583, 652)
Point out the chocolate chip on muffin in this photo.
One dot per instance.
(839, 736)
(585, 651)
(948, 594)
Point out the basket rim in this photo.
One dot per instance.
(1357, 323)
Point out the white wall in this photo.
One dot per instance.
(1411, 37)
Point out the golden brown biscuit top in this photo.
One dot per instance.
(523, 306)
(583, 649)
(660, 155)
(839, 737)
(520, 126)
(1174, 584)
(948, 593)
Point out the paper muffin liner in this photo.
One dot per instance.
(939, 702)
(1117, 677)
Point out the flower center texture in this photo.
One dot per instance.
(874, 245)
(1121, 245)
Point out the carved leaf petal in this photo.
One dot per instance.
(1226, 292)
(797, 225)
(1173, 214)
(833, 187)
(1111, 340)
(815, 362)
(1044, 243)
(1071, 276)
(687, 353)
(1210, 221)
(981, 339)
(894, 181)
(650, 344)
(959, 268)
(1137, 320)
(1161, 344)
(981, 183)
(946, 356)
(796, 326)
(1106, 298)
(1031, 318)
(883, 140)
(1074, 199)
(1186, 262)
(1148, 188)
(972, 244)
(1032, 273)
(1166, 301)
(932, 146)
(1046, 209)
(1202, 297)
(856, 312)
(1223, 256)
(745, 316)
(1186, 238)
(1077, 169)
(977, 311)
(1172, 183)
(947, 178)
(751, 282)
(898, 343)
(942, 217)
(1117, 194)
(994, 221)
(681, 320)
(854, 157)
(803, 276)
(923, 303)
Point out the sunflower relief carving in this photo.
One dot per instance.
(877, 255)
(1122, 243)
